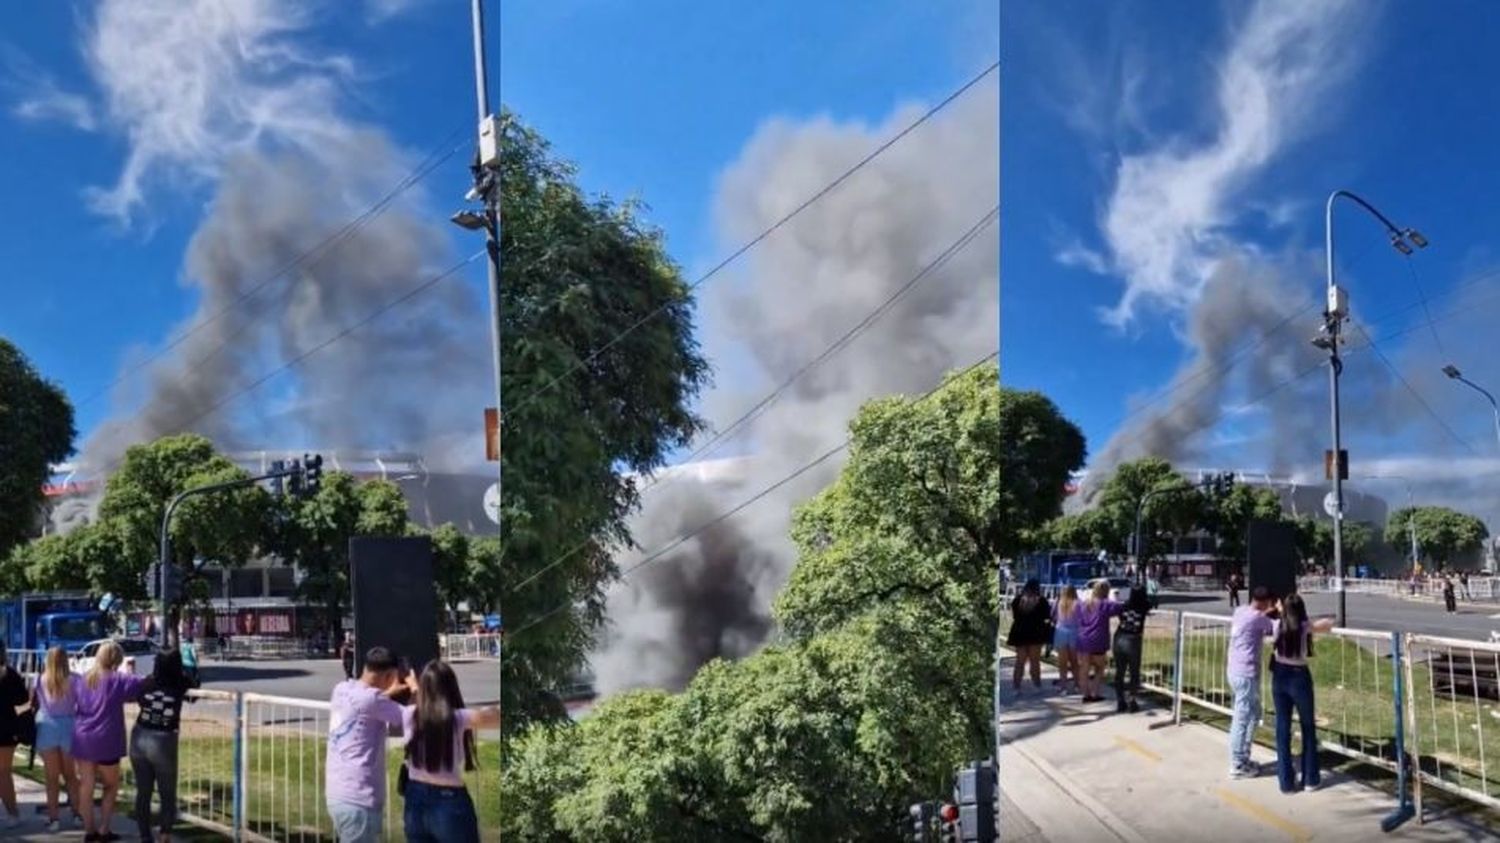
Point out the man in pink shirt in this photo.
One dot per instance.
(361, 714)
(1250, 627)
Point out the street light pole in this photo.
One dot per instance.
(1452, 372)
(1333, 317)
(487, 188)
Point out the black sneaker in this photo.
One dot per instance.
(1134, 707)
(1120, 706)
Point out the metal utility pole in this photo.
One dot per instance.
(1333, 317)
(487, 190)
(1454, 373)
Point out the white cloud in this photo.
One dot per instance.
(1164, 225)
(37, 95)
(379, 11)
(192, 83)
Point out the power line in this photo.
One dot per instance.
(758, 496)
(377, 313)
(425, 167)
(1409, 388)
(1422, 294)
(753, 242)
(838, 345)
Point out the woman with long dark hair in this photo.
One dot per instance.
(153, 743)
(439, 732)
(1292, 689)
(13, 693)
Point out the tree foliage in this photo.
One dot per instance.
(1039, 448)
(1443, 534)
(1173, 508)
(878, 690)
(36, 430)
(601, 369)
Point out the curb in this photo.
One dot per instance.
(1108, 819)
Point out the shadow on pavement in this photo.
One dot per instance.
(235, 673)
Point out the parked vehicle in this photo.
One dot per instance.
(41, 621)
(140, 656)
(1058, 568)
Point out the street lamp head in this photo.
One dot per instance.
(471, 220)
(1323, 341)
(1416, 238)
(1400, 243)
(1452, 371)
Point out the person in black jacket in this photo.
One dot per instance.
(13, 693)
(153, 743)
(1030, 630)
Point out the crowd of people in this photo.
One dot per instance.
(1077, 631)
(76, 724)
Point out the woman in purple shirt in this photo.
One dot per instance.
(99, 736)
(1093, 638)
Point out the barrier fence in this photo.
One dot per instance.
(1424, 707)
(252, 767)
(1478, 590)
(470, 647)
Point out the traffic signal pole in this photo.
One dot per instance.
(164, 561)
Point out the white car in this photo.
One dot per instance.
(140, 656)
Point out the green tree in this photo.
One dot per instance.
(36, 430)
(1232, 514)
(313, 533)
(451, 568)
(1174, 507)
(1039, 448)
(1443, 534)
(228, 528)
(601, 370)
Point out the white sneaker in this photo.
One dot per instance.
(54, 826)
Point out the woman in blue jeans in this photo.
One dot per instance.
(439, 730)
(1292, 689)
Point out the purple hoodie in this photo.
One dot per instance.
(1093, 624)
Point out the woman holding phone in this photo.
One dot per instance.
(439, 733)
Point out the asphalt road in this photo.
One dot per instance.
(1370, 611)
(313, 679)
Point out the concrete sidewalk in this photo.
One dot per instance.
(31, 799)
(1076, 772)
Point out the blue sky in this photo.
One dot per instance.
(650, 99)
(1150, 145)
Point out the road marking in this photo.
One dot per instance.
(1264, 815)
(1143, 752)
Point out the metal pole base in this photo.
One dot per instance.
(1397, 818)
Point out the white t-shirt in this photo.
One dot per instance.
(452, 777)
(357, 727)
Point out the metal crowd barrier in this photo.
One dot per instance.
(470, 647)
(1424, 707)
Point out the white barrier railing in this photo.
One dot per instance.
(1478, 590)
(470, 647)
(1453, 716)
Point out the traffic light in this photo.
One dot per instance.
(171, 585)
(949, 830)
(922, 815)
(153, 580)
(294, 480)
(976, 795)
(278, 487)
(1226, 483)
(313, 469)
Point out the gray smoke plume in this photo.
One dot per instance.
(229, 97)
(798, 292)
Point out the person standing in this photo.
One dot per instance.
(1065, 637)
(56, 703)
(12, 694)
(1292, 691)
(360, 715)
(153, 743)
(1463, 584)
(346, 655)
(439, 731)
(1448, 599)
(1093, 637)
(1030, 630)
(1128, 646)
(99, 736)
(1234, 591)
(1248, 629)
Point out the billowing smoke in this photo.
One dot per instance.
(798, 292)
(226, 95)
